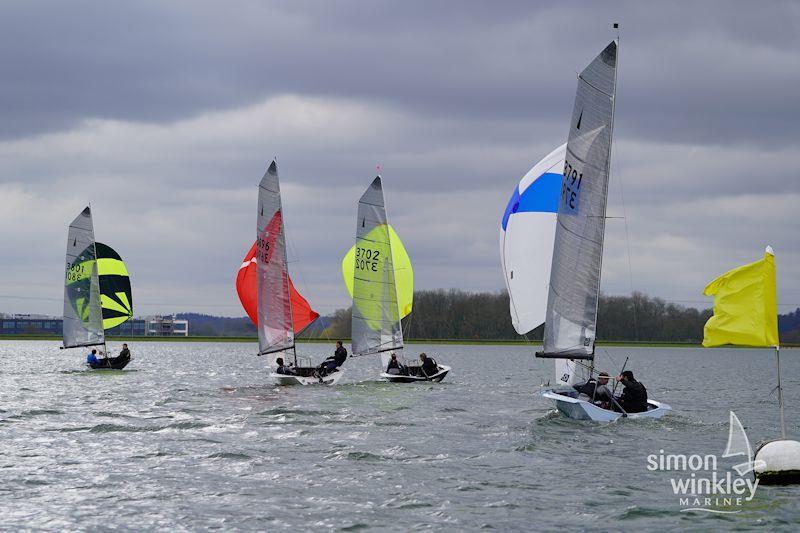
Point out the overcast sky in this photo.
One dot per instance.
(165, 116)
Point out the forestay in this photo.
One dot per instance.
(376, 324)
(275, 332)
(578, 251)
(83, 318)
(527, 231)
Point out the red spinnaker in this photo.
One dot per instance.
(247, 287)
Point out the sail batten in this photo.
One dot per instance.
(376, 325)
(275, 326)
(571, 317)
(83, 318)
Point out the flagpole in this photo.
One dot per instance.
(780, 391)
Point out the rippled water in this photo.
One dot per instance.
(193, 436)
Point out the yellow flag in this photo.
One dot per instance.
(745, 306)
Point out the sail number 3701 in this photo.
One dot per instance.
(367, 259)
(571, 187)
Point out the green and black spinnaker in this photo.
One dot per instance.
(115, 287)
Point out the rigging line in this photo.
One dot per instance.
(620, 181)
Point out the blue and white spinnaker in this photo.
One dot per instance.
(527, 233)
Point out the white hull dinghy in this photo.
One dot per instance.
(567, 213)
(276, 335)
(288, 379)
(570, 404)
(379, 260)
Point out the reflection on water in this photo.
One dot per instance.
(193, 436)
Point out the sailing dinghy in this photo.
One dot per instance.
(97, 292)
(274, 292)
(378, 265)
(574, 290)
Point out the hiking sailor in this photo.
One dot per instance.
(429, 367)
(634, 395)
(333, 362)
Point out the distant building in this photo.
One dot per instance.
(24, 324)
(166, 326)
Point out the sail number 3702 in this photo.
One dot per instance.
(367, 259)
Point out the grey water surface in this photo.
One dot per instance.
(193, 436)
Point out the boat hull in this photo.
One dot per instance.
(400, 378)
(579, 409)
(112, 363)
(777, 462)
(287, 379)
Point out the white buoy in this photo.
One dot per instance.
(778, 462)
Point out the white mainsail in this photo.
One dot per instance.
(376, 326)
(275, 331)
(571, 320)
(83, 315)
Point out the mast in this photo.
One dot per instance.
(780, 391)
(572, 305)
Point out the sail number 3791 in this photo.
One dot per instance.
(571, 187)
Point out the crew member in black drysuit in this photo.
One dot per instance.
(283, 369)
(125, 353)
(394, 366)
(634, 395)
(333, 362)
(596, 389)
(429, 367)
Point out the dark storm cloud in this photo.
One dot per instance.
(691, 72)
(165, 114)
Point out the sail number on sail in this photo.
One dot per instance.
(367, 259)
(76, 271)
(263, 248)
(571, 186)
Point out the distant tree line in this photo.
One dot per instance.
(456, 314)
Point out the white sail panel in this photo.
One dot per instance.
(376, 314)
(578, 251)
(527, 232)
(275, 331)
(83, 315)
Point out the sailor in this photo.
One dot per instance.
(394, 366)
(125, 353)
(634, 395)
(597, 389)
(282, 368)
(91, 359)
(429, 367)
(336, 360)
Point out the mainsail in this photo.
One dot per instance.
(376, 324)
(275, 330)
(247, 289)
(115, 287)
(83, 319)
(403, 272)
(527, 231)
(571, 319)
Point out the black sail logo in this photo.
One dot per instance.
(580, 117)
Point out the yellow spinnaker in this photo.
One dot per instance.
(403, 273)
(745, 306)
